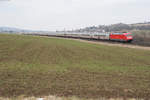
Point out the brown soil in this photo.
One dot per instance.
(116, 44)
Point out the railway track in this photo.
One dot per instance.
(89, 39)
(98, 41)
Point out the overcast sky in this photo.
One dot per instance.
(71, 14)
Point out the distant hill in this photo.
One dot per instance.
(10, 29)
(116, 27)
(14, 30)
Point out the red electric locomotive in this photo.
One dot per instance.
(124, 37)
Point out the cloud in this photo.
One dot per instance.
(60, 14)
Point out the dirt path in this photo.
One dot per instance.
(108, 44)
(115, 44)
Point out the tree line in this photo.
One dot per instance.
(116, 27)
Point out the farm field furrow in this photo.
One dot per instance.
(39, 66)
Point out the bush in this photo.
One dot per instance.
(141, 37)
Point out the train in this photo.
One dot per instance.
(120, 37)
(125, 37)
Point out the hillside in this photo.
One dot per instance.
(40, 66)
(116, 27)
(18, 30)
(11, 30)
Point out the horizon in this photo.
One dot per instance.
(71, 14)
(71, 29)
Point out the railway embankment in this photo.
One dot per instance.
(105, 42)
